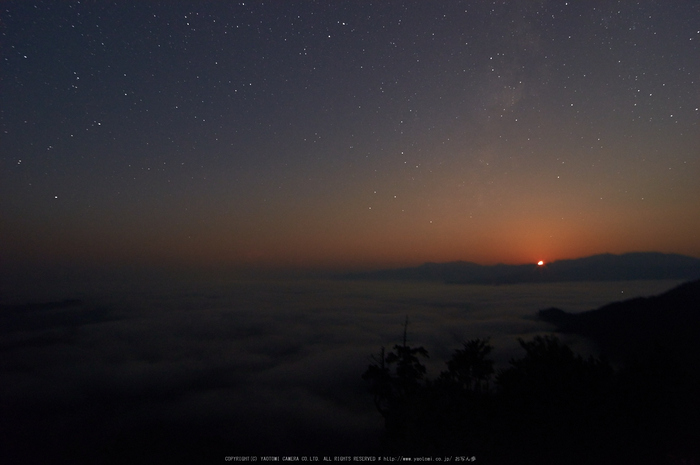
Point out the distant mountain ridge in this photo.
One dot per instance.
(604, 267)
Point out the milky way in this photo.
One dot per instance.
(347, 134)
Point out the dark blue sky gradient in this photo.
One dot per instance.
(347, 134)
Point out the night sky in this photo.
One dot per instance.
(347, 134)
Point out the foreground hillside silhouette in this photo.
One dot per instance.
(551, 405)
(628, 329)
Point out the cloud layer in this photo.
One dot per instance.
(183, 371)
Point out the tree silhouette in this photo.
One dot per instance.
(396, 382)
(409, 371)
(389, 388)
(469, 369)
(553, 403)
(549, 406)
(380, 378)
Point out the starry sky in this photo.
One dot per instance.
(347, 134)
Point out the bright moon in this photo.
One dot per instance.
(540, 263)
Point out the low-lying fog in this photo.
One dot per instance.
(261, 367)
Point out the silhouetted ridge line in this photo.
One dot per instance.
(604, 267)
(625, 328)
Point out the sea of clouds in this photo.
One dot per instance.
(226, 367)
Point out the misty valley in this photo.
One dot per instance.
(204, 370)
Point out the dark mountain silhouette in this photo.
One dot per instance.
(625, 329)
(552, 405)
(605, 267)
